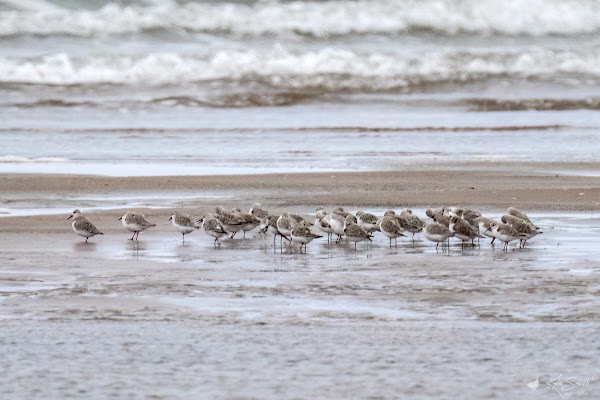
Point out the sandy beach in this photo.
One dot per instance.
(252, 320)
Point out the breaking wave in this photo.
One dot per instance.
(329, 69)
(316, 19)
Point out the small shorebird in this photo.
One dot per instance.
(353, 232)
(414, 224)
(484, 224)
(258, 211)
(324, 226)
(83, 226)
(389, 227)
(135, 223)
(462, 230)
(249, 220)
(299, 218)
(336, 222)
(231, 222)
(470, 216)
(320, 214)
(213, 227)
(522, 226)
(340, 211)
(269, 224)
(301, 233)
(437, 232)
(435, 213)
(518, 213)
(285, 224)
(183, 223)
(505, 233)
(367, 221)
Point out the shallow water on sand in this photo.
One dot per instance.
(195, 320)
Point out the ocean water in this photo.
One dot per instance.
(220, 87)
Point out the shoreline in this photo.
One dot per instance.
(492, 190)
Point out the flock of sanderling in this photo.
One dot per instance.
(441, 225)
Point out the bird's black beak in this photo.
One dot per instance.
(120, 218)
(70, 216)
(170, 218)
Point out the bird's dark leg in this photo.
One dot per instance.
(494, 238)
(183, 237)
(244, 235)
(86, 239)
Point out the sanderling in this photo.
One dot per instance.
(367, 221)
(353, 232)
(435, 213)
(258, 211)
(249, 220)
(213, 227)
(135, 223)
(324, 226)
(269, 224)
(320, 214)
(299, 218)
(518, 213)
(83, 226)
(437, 232)
(340, 211)
(183, 223)
(301, 233)
(285, 224)
(484, 224)
(231, 222)
(521, 226)
(414, 224)
(389, 226)
(462, 230)
(336, 222)
(505, 233)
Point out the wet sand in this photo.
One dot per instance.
(159, 318)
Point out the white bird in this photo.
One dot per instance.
(83, 226)
(353, 232)
(135, 223)
(285, 224)
(302, 234)
(505, 233)
(367, 221)
(437, 233)
(232, 223)
(389, 226)
(183, 223)
(269, 224)
(213, 227)
(324, 226)
(336, 222)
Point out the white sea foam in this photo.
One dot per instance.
(17, 159)
(320, 19)
(329, 68)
